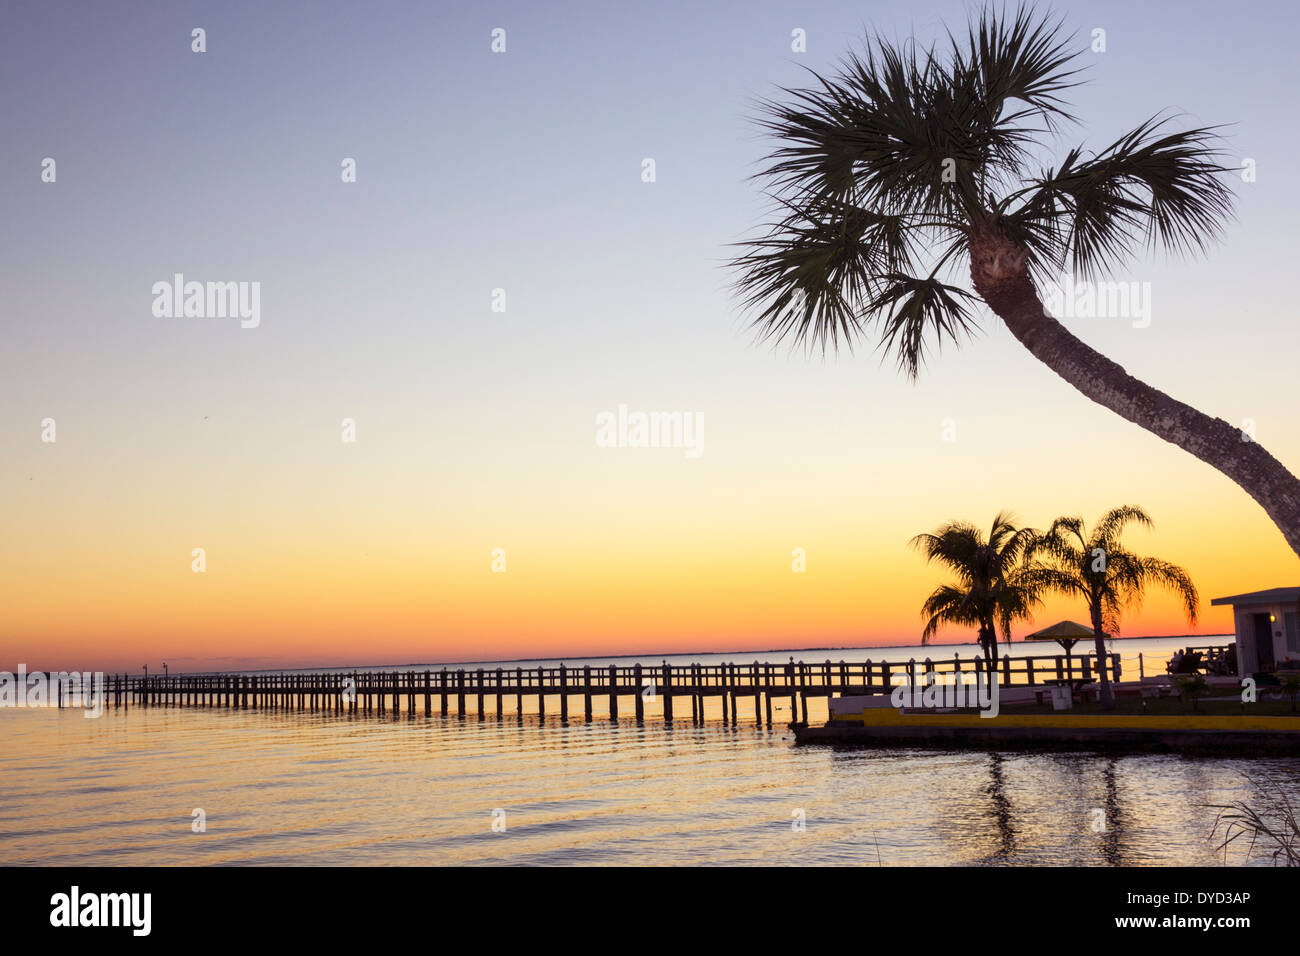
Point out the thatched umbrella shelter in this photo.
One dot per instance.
(1067, 634)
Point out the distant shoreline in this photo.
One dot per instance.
(666, 654)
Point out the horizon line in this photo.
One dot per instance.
(662, 654)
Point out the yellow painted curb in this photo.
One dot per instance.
(889, 717)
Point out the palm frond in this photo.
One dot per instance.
(1113, 522)
(913, 310)
(807, 276)
(1152, 187)
(1027, 59)
(947, 605)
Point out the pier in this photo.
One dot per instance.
(568, 692)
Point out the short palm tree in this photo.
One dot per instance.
(1094, 566)
(1192, 687)
(992, 589)
(912, 162)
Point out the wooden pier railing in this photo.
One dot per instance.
(398, 691)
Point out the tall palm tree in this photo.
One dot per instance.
(992, 588)
(1095, 566)
(912, 161)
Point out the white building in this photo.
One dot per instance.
(1267, 626)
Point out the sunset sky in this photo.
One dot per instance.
(475, 428)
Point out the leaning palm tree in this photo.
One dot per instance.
(1094, 566)
(911, 162)
(992, 589)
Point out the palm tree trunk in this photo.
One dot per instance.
(989, 638)
(1105, 694)
(1001, 278)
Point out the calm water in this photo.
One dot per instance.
(312, 788)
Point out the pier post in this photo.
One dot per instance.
(541, 693)
(499, 675)
(442, 691)
(428, 694)
(667, 690)
(519, 692)
(586, 691)
(480, 693)
(564, 695)
(460, 692)
(613, 692)
(639, 680)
